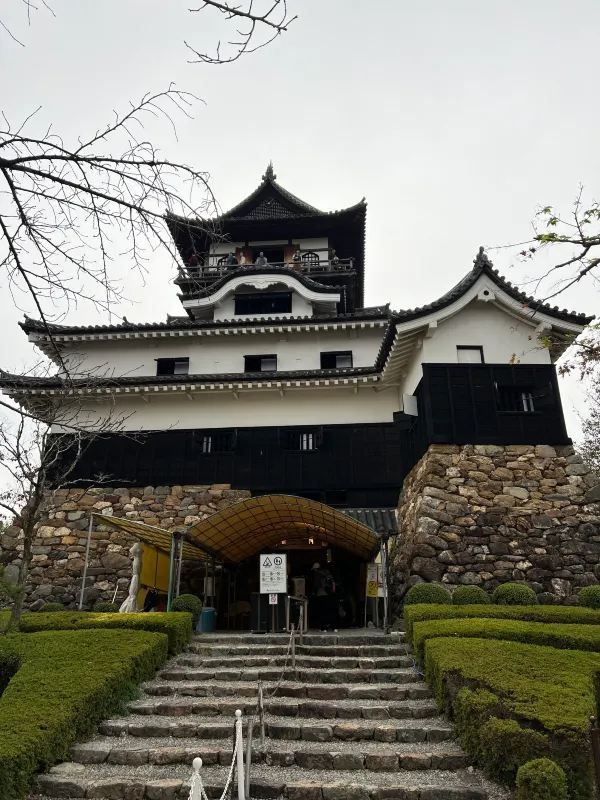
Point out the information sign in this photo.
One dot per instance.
(273, 573)
(272, 599)
(372, 580)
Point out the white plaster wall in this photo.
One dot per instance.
(223, 354)
(504, 339)
(310, 406)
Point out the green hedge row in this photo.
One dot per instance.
(513, 702)
(177, 626)
(571, 615)
(66, 683)
(564, 637)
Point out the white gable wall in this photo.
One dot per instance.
(505, 339)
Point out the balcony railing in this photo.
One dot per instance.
(305, 267)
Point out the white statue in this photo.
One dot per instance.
(129, 605)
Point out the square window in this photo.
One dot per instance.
(515, 399)
(263, 303)
(336, 359)
(305, 441)
(266, 363)
(469, 354)
(172, 366)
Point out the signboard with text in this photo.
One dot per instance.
(273, 573)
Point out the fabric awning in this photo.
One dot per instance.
(248, 527)
(150, 534)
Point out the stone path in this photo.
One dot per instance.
(354, 721)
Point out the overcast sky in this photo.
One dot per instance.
(456, 119)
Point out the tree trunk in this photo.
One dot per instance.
(17, 608)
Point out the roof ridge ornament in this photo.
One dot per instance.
(482, 259)
(269, 173)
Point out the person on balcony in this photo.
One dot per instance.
(333, 258)
(261, 261)
(297, 260)
(231, 261)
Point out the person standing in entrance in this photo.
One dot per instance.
(322, 597)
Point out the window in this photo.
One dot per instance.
(260, 363)
(172, 366)
(263, 303)
(305, 440)
(310, 259)
(469, 354)
(215, 442)
(515, 399)
(340, 359)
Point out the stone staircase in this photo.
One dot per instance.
(353, 721)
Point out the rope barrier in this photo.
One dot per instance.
(197, 791)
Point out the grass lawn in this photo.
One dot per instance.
(57, 686)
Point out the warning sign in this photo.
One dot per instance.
(273, 599)
(372, 580)
(273, 573)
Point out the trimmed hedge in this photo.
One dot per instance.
(563, 637)
(189, 603)
(105, 607)
(470, 595)
(54, 607)
(66, 683)
(589, 596)
(541, 779)
(514, 594)
(177, 626)
(545, 690)
(568, 615)
(427, 593)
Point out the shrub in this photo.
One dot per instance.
(504, 745)
(104, 607)
(177, 627)
(189, 603)
(54, 607)
(541, 779)
(514, 594)
(428, 593)
(66, 683)
(589, 596)
(547, 689)
(470, 595)
(565, 614)
(564, 637)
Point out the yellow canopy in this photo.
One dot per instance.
(248, 527)
(150, 534)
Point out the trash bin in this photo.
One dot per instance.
(207, 621)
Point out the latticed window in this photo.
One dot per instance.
(517, 399)
(310, 258)
(304, 440)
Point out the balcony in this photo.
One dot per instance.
(216, 268)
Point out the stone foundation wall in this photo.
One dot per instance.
(483, 515)
(59, 546)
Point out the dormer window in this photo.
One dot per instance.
(336, 359)
(172, 366)
(263, 303)
(260, 363)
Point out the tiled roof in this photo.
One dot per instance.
(381, 520)
(30, 325)
(483, 266)
(10, 381)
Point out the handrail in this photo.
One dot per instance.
(302, 267)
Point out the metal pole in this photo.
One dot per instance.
(595, 741)
(261, 714)
(171, 571)
(293, 646)
(85, 564)
(386, 601)
(240, 755)
(179, 563)
(249, 736)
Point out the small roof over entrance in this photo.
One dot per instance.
(248, 527)
(150, 534)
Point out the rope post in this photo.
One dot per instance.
(261, 714)
(196, 788)
(239, 747)
(249, 737)
(301, 622)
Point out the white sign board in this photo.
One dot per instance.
(273, 599)
(273, 573)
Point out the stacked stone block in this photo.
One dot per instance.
(485, 514)
(60, 541)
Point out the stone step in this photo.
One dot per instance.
(168, 782)
(406, 730)
(312, 638)
(300, 675)
(286, 707)
(384, 691)
(371, 756)
(302, 662)
(362, 651)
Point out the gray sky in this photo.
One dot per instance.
(455, 118)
